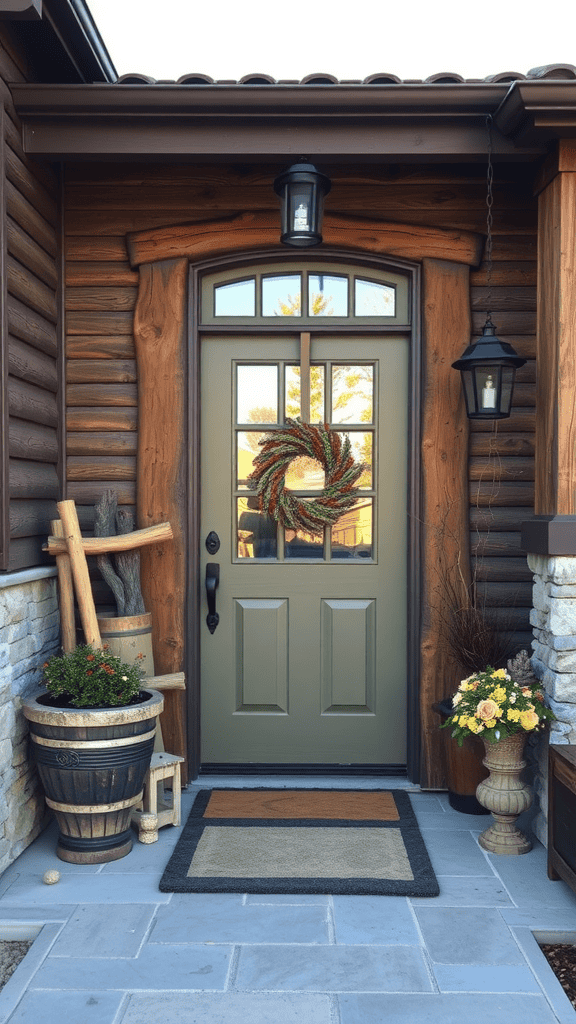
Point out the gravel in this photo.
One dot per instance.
(11, 954)
(562, 960)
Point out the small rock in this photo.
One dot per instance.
(51, 877)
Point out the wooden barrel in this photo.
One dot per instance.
(464, 766)
(129, 636)
(92, 763)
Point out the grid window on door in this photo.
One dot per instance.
(342, 395)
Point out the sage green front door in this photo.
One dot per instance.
(308, 661)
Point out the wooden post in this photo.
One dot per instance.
(79, 566)
(447, 326)
(66, 590)
(556, 337)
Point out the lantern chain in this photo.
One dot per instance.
(489, 204)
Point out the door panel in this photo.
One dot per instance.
(308, 662)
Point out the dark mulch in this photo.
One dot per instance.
(562, 960)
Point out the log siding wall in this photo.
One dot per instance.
(30, 255)
(104, 203)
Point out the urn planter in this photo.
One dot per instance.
(506, 795)
(92, 763)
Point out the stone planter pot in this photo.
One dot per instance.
(505, 795)
(92, 763)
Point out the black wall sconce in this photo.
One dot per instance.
(302, 189)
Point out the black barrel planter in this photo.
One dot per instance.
(92, 763)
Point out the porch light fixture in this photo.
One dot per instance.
(488, 366)
(302, 189)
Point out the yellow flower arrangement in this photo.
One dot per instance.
(491, 704)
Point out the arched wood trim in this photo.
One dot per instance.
(160, 335)
(257, 230)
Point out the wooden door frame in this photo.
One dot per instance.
(163, 324)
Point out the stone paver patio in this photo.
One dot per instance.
(113, 949)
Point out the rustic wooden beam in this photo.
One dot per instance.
(79, 567)
(445, 484)
(556, 342)
(248, 230)
(172, 681)
(121, 542)
(66, 591)
(160, 340)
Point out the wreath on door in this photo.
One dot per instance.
(332, 450)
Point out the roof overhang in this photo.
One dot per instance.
(416, 123)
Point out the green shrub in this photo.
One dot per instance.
(88, 678)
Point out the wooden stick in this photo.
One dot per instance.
(66, 589)
(120, 542)
(79, 565)
(173, 681)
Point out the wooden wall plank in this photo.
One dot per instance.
(101, 298)
(104, 371)
(505, 595)
(90, 492)
(90, 274)
(501, 493)
(513, 272)
(33, 480)
(30, 255)
(501, 569)
(88, 247)
(102, 394)
(26, 182)
(30, 220)
(444, 469)
(109, 443)
(99, 323)
(31, 327)
(93, 418)
(27, 551)
(501, 468)
(33, 441)
(100, 347)
(96, 467)
(30, 290)
(502, 444)
(29, 364)
(495, 545)
(31, 518)
(28, 402)
(505, 298)
(500, 518)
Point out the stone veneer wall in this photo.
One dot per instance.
(29, 633)
(553, 618)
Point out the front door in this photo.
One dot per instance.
(308, 661)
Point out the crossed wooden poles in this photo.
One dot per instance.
(70, 549)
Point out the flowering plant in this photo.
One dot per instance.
(88, 677)
(491, 704)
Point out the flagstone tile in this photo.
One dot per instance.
(289, 899)
(541, 919)
(215, 917)
(88, 888)
(110, 930)
(228, 1007)
(467, 935)
(333, 969)
(475, 978)
(79, 1007)
(379, 920)
(158, 968)
(455, 853)
(467, 891)
(445, 1009)
(528, 882)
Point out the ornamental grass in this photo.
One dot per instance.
(493, 705)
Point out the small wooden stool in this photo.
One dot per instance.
(153, 813)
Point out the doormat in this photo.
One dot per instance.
(337, 842)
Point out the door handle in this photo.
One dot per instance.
(212, 581)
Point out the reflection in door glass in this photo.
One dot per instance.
(299, 544)
(327, 295)
(317, 414)
(256, 531)
(236, 299)
(281, 295)
(257, 394)
(362, 449)
(246, 450)
(352, 534)
(373, 299)
(305, 474)
(352, 394)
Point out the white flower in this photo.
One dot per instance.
(512, 698)
(124, 678)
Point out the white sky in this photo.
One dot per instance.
(228, 39)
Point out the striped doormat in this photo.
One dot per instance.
(352, 842)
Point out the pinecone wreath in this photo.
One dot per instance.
(334, 453)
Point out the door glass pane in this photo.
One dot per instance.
(305, 474)
(236, 299)
(257, 394)
(362, 444)
(327, 295)
(281, 295)
(352, 534)
(246, 450)
(317, 407)
(299, 544)
(352, 394)
(374, 299)
(256, 531)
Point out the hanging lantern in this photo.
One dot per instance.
(302, 189)
(488, 368)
